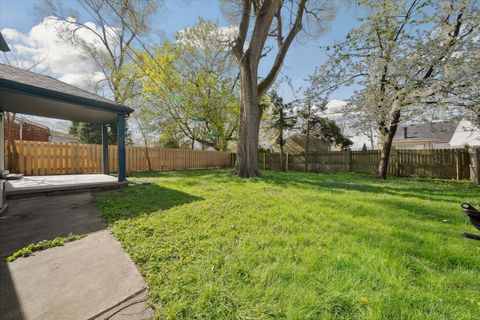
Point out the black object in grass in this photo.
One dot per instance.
(474, 216)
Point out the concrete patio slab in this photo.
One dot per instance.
(91, 278)
(55, 184)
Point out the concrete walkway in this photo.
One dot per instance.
(91, 278)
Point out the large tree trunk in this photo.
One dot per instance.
(387, 139)
(387, 135)
(250, 115)
(250, 111)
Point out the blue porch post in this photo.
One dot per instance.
(105, 169)
(121, 147)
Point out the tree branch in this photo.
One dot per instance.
(261, 29)
(282, 51)
(279, 27)
(243, 29)
(450, 43)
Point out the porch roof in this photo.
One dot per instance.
(31, 93)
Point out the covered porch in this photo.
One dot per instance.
(34, 94)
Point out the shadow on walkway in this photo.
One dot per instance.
(85, 278)
(45, 218)
(35, 219)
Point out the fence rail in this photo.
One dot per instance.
(435, 163)
(46, 158)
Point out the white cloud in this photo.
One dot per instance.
(55, 57)
(61, 59)
(335, 106)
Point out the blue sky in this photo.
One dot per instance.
(301, 59)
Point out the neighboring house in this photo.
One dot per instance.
(58, 136)
(466, 134)
(31, 131)
(298, 142)
(436, 135)
(28, 131)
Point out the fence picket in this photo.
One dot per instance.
(435, 163)
(44, 158)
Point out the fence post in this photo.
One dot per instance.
(286, 161)
(263, 161)
(474, 165)
(349, 159)
(397, 163)
(306, 162)
(458, 166)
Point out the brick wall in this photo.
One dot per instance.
(30, 132)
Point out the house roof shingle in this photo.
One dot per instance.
(15, 76)
(433, 131)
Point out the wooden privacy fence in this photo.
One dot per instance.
(435, 163)
(45, 158)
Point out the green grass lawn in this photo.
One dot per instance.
(300, 246)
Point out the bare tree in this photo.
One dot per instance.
(144, 132)
(118, 23)
(259, 19)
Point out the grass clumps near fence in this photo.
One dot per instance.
(43, 245)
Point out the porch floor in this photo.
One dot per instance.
(36, 185)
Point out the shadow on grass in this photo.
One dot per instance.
(189, 173)
(424, 189)
(138, 200)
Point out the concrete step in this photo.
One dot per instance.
(13, 176)
(20, 193)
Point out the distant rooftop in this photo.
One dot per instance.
(430, 131)
(298, 142)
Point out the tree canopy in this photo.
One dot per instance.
(396, 55)
(193, 83)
